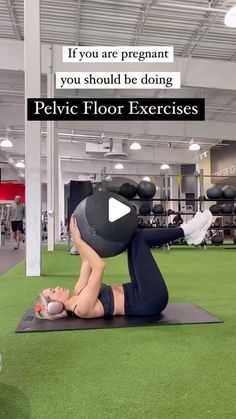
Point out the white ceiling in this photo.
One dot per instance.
(193, 29)
(189, 26)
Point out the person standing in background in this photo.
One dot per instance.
(16, 216)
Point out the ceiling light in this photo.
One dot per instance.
(230, 18)
(6, 143)
(165, 166)
(135, 146)
(20, 164)
(147, 178)
(119, 166)
(194, 147)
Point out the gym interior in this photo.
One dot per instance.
(165, 171)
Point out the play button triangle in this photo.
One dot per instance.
(117, 210)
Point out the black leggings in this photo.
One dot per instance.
(147, 293)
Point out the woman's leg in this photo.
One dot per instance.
(147, 293)
(159, 236)
(139, 255)
(150, 294)
(154, 237)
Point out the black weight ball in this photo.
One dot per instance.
(128, 191)
(158, 209)
(227, 209)
(145, 209)
(146, 189)
(107, 238)
(215, 209)
(106, 186)
(214, 192)
(112, 184)
(229, 192)
(217, 240)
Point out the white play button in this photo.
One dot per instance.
(117, 210)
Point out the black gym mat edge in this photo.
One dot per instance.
(174, 314)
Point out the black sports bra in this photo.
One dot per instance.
(107, 299)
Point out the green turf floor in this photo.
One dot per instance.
(147, 372)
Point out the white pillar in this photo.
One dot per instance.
(61, 196)
(50, 169)
(56, 191)
(32, 138)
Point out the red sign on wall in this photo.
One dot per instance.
(8, 191)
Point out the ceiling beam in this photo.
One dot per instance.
(197, 129)
(77, 36)
(13, 18)
(146, 8)
(203, 28)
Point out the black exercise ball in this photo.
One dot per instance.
(214, 192)
(217, 239)
(234, 239)
(112, 184)
(229, 192)
(227, 209)
(105, 237)
(146, 189)
(145, 209)
(215, 209)
(158, 209)
(128, 191)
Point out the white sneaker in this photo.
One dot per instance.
(189, 227)
(202, 223)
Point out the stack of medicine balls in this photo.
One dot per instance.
(146, 190)
(227, 206)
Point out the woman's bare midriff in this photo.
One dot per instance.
(119, 300)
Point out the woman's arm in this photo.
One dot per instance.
(86, 252)
(85, 272)
(88, 297)
(86, 301)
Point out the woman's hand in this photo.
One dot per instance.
(74, 230)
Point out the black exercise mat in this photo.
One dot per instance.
(178, 313)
